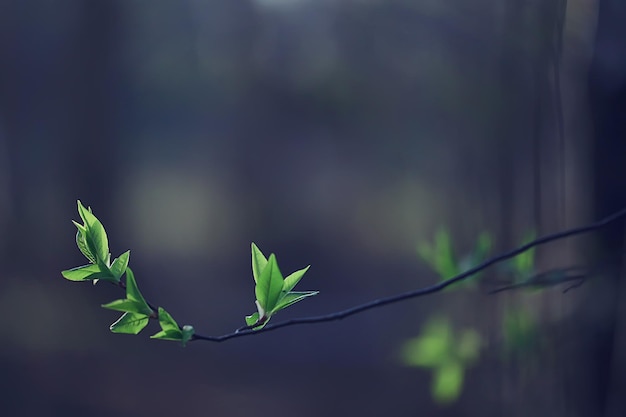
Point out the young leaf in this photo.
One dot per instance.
(128, 306)
(258, 262)
(166, 321)
(130, 323)
(448, 382)
(269, 285)
(86, 273)
(292, 298)
(170, 329)
(444, 255)
(292, 280)
(119, 265)
(252, 319)
(95, 236)
(132, 291)
(174, 335)
(81, 242)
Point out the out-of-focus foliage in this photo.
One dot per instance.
(520, 333)
(446, 353)
(440, 255)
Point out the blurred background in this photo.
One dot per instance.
(344, 134)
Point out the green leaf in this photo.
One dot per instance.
(119, 265)
(447, 383)
(167, 322)
(95, 236)
(258, 262)
(252, 319)
(444, 255)
(292, 298)
(132, 291)
(82, 243)
(86, 273)
(524, 262)
(130, 306)
(170, 329)
(292, 280)
(269, 285)
(130, 323)
(174, 335)
(432, 348)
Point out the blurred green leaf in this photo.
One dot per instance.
(438, 348)
(444, 255)
(447, 383)
(130, 323)
(425, 251)
(432, 348)
(520, 331)
(524, 263)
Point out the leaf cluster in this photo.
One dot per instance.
(92, 241)
(273, 292)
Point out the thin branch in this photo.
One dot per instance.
(421, 291)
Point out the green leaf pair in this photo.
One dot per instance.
(273, 292)
(136, 310)
(170, 330)
(92, 241)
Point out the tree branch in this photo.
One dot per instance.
(421, 291)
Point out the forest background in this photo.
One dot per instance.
(341, 134)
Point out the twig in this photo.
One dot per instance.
(421, 291)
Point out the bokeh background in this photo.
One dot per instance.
(336, 133)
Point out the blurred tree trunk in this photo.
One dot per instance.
(607, 92)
